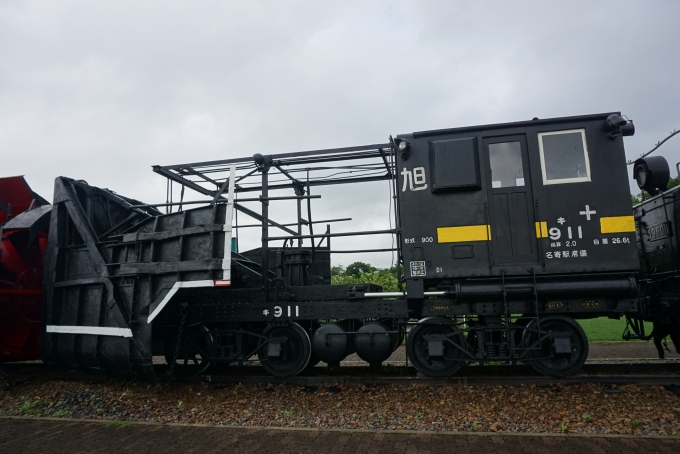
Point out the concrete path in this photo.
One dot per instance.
(74, 437)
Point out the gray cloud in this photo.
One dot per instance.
(103, 91)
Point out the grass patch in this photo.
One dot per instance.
(29, 408)
(286, 414)
(603, 329)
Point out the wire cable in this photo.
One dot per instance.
(657, 146)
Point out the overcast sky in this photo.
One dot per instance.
(103, 90)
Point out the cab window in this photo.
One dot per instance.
(506, 164)
(564, 156)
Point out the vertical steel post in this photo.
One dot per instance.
(299, 215)
(265, 227)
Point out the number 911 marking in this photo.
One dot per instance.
(278, 311)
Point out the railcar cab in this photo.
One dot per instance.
(530, 218)
(551, 195)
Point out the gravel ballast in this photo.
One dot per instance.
(584, 409)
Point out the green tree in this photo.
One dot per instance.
(355, 269)
(637, 198)
(337, 270)
(363, 273)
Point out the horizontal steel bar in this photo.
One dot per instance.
(183, 181)
(196, 187)
(321, 182)
(318, 183)
(397, 294)
(345, 333)
(357, 251)
(280, 156)
(222, 201)
(324, 235)
(304, 222)
(291, 197)
(259, 217)
(155, 236)
(192, 202)
(76, 282)
(319, 159)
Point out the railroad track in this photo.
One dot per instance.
(606, 373)
(454, 380)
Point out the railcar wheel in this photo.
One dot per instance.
(287, 350)
(191, 355)
(558, 358)
(435, 347)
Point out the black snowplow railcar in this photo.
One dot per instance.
(507, 233)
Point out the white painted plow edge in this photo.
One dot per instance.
(96, 330)
(226, 262)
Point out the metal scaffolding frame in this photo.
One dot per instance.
(299, 171)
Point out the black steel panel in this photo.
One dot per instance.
(319, 271)
(658, 219)
(523, 236)
(503, 232)
(295, 311)
(170, 266)
(574, 307)
(454, 164)
(79, 291)
(465, 251)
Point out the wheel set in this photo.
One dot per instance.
(286, 351)
(554, 345)
(558, 355)
(436, 346)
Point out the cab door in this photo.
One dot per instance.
(511, 208)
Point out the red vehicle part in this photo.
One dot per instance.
(24, 218)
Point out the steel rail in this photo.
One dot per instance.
(455, 380)
(501, 375)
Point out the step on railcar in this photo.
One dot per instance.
(504, 236)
